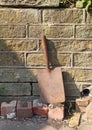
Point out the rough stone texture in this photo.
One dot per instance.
(84, 31)
(89, 17)
(83, 101)
(15, 89)
(74, 121)
(19, 16)
(35, 31)
(31, 3)
(55, 60)
(11, 59)
(83, 59)
(63, 16)
(79, 75)
(18, 75)
(35, 89)
(69, 45)
(81, 109)
(58, 31)
(12, 31)
(18, 45)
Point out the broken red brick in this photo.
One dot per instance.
(24, 109)
(40, 109)
(56, 113)
(7, 108)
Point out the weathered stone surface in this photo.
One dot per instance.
(35, 31)
(31, 3)
(80, 109)
(38, 60)
(19, 16)
(58, 31)
(88, 114)
(89, 17)
(83, 101)
(63, 16)
(18, 45)
(69, 45)
(83, 59)
(5, 98)
(79, 75)
(74, 121)
(84, 31)
(18, 75)
(12, 31)
(15, 89)
(11, 59)
(35, 89)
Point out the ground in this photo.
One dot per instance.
(38, 123)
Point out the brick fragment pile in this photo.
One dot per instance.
(27, 109)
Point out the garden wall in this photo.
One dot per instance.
(69, 35)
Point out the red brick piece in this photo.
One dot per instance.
(56, 113)
(39, 108)
(7, 108)
(24, 109)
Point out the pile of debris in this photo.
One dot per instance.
(26, 109)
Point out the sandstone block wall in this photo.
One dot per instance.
(69, 34)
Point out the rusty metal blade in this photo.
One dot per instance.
(51, 85)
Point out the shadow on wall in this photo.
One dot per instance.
(71, 89)
(10, 59)
(15, 79)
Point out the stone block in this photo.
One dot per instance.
(58, 31)
(69, 45)
(18, 75)
(7, 108)
(62, 16)
(33, 3)
(15, 89)
(12, 31)
(83, 101)
(78, 75)
(84, 31)
(87, 116)
(11, 59)
(39, 108)
(18, 45)
(19, 16)
(81, 109)
(83, 59)
(35, 89)
(35, 31)
(24, 109)
(75, 119)
(56, 113)
(55, 59)
(89, 16)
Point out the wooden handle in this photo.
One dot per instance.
(44, 46)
